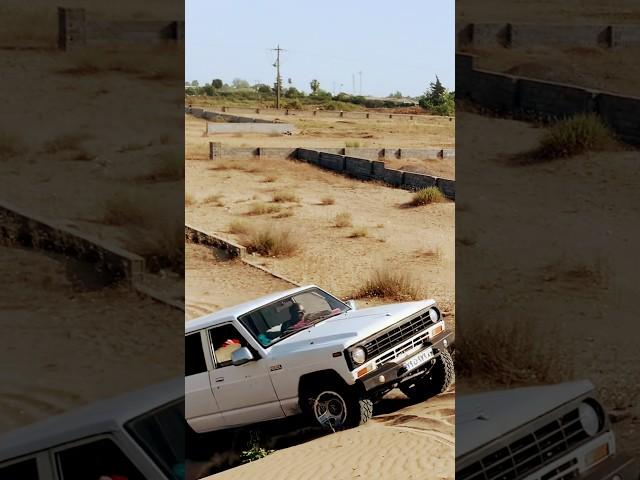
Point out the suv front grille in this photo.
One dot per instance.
(530, 452)
(397, 334)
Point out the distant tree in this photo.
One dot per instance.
(293, 92)
(194, 83)
(262, 88)
(437, 99)
(207, 89)
(315, 85)
(217, 83)
(187, 84)
(240, 83)
(396, 95)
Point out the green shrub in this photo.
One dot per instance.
(426, 196)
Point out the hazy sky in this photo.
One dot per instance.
(398, 45)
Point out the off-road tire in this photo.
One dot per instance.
(437, 381)
(359, 410)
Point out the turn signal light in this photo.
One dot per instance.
(436, 331)
(363, 372)
(596, 455)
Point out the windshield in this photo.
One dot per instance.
(161, 434)
(290, 315)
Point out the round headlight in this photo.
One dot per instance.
(589, 418)
(358, 355)
(434, 315)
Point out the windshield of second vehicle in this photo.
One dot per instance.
(290, 315)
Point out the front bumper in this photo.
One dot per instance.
(393, 372)
(618, 466)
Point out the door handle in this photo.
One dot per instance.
(220, 379)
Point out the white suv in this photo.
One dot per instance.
(304, 350)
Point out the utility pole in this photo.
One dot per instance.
(278, 79)
(353, 78)
(360, 73)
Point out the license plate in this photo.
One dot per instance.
(418, 360)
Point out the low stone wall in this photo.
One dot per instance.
(24, 228)
(526, 97)
(514, 35)
(77, 29)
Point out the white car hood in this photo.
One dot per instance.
(349, 327)
(483, 417)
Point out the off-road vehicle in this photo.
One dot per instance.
(305, 351)
(555, 432)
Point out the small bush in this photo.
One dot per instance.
(391, 284)
(574, 136)
(359, 232)
(271, 241)
(343, 220)
(426, 196)
(260, 208)
(352, 144)
(327, 201)
(282, 197)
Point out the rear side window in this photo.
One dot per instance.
(194, 355)
(26, 470)
(100, 458)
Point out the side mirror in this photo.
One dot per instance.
(352, 304)
(241, 356)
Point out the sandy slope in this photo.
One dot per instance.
(414, 442)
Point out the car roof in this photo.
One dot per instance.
(100, 417)
(240, 309)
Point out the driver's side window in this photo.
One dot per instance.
(224, 341)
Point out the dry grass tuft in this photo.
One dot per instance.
(215, 199)
(352, 144)
(285, 214)
(430, 253)
(271, 241)
(359, 232)
(343, 220)
(574, 136)
(507, 352)
(390, 284)
(189, 200)
(283, 197)
(270, 179)
(123, 209)
(64, 143)
(259, 208)
(228, 165)
(427, 195)
(10, 146)
(238, 227)
(327, 201)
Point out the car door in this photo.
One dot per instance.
(245, 393)
(201, 409)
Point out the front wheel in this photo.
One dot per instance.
(334, 409)
(436, 381)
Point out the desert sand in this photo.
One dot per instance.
(414, 442)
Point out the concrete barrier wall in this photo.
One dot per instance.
(77, 29)
(360, 168)
(217, 150)
(19, 226)
(266, 128)
(509, 35)
(331, 161)
(526, 98)
(193, 235)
